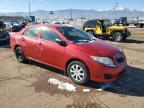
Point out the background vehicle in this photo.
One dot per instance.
(22, 24)
(2, 25)
(105, 29)
(138, 22)
(61, 23)
(74, 51)
(4, 36)
(8, 26)
(12, 26)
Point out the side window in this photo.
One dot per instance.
(32, 32)
(50, 35)
(91, 24)
(99, 24)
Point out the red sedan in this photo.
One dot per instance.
(81, 56)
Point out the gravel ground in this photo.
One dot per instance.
(26, 85)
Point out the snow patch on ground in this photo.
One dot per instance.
(66, 86)
(70, 87)
(99, 89)
(62, 85)
(53, 81)
(86, 90)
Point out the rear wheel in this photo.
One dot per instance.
(20, 55)
(78, 72)
(118, 36)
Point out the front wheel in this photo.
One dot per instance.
(20, 55)
(118, 37)
(78, 72)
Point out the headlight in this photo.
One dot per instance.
(104, 60)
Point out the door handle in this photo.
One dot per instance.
(22, 39)
(40, 44)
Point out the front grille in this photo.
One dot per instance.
(107, 76)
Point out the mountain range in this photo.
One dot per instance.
(116, 12)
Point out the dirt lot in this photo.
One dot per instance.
(26, 85)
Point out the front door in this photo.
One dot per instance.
(51, 52)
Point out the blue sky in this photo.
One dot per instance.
(22, 5)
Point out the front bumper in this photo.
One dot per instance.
(102, 73)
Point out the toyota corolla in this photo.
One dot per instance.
(81, 56)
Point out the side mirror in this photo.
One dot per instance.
(61, 42)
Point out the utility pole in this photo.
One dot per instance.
(29, 8)
(71, 14)
(116, 5)
(86, 14)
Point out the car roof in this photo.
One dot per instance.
(48, 25)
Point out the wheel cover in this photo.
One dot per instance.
(118, 36)
(77, 72)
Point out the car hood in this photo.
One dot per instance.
(99, 48)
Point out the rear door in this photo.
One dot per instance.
(51, 52)
(29, 41)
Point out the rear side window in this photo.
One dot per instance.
(91, 24)
(50, 35)
(32, 32)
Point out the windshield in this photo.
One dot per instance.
(76, 35)
(108, 22)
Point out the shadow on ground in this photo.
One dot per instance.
(133, 41)
(131, 83)
(46, 67)
(129, 40)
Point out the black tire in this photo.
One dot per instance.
(80, 76)
(20, 55)
(125, 38)
(141, 25)
(91, 33)
(118, 36)
(105, 37)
